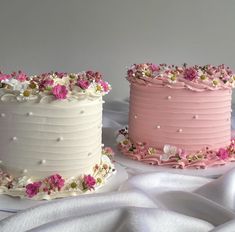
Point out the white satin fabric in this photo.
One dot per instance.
(146, 202)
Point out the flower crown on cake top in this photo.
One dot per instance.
(57, 85)
(192, 77)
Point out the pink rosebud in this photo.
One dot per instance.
(89, 182)
(60, 91)
(83, 84)
(190, 74)
(33, 188)
(21, 77)
(222, 153)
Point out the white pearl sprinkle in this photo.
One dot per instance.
(103, 101)
(60, 139)
(25, 171)
(135, 117)
(14, 138)
(89, 154)
(3, 115)
(158, 126)
(195, 116)
(29, 113)
(102, 145)
(169, 97)
(231, 110)
(43, 161)
(180, 130)
(82, 112)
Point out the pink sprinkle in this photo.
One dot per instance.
(60, 91)
(33, 188)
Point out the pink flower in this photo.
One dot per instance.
(33, 188)
(83, 84)
(56, 181)
(21, 76)
(105, 85)
(60, 91)
(108, 151)
(154, 67)
(60, 74)
(89, 182)
(4, 77)
(190, 74)
(222, 153)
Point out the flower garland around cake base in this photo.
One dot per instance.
(173, 156)
(55, 186)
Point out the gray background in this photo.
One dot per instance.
(108, 35)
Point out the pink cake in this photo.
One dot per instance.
(179, 116)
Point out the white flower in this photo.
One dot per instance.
(17, 85)
(169, 151)
(120, 138)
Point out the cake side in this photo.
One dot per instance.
(190, 120)
(58, 137)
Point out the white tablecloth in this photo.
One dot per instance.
(146, 202)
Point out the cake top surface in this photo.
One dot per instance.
(197, 78)
(18, 86)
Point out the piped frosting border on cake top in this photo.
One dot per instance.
(20, 87)
(172, 156)
(55, 186)
(195, 78)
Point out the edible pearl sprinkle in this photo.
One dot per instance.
(135, 116)
(231, 110)
(103, 101)
(180, 130)
(195, 116)
(43, 161)
(60, 139)
(25, 171)
(169, 97)
(14, 138)
(3, 115)
(29, 113)
(158, 126)
(102, 145)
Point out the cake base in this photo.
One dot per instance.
(173, 157)
(56, 186)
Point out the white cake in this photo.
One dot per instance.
(50, 139)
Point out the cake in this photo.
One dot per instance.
(51, 126)
(180, 116)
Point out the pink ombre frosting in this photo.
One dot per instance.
(190, 120)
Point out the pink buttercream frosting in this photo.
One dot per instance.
(195, 78)
(170, 155)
